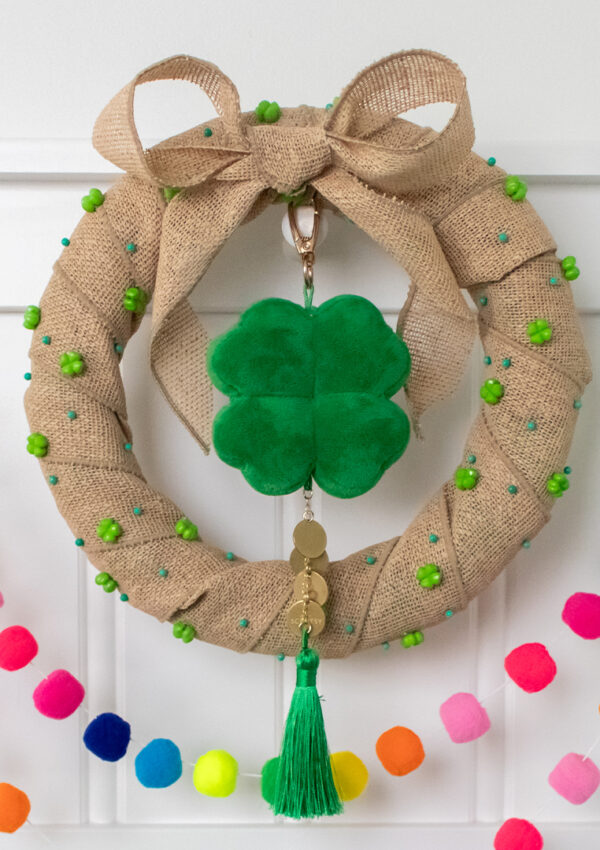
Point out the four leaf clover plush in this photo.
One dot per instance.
(310, 395)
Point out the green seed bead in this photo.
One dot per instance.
(386, 645)
(503, 237)
(554, 281)
(506, 362)
(491, 160)
(433, 538)
(208, 132)
(46, 340)
(567, 470)
(487, 360)
(577, 404)
(27, 376)
(138, 511)
(53, 479)
(349, 628)
(127, 446)
(449, 613)
(281, 656)
(163, 573)
(118, 348)
(71, 414)
(124, 598)
(483, 300)
(471, 459)
(79, 541)
(131, 247)
(66, 242)
(370, 559)
(244, 623)
(531, 426)
(230, 556)
(526, 544)
(512, 489)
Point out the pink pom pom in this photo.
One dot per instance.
(1, 599)
(582, 614)
(531, 667)
(464, 717)
(575, 778)
(17, 648)
(58, 695)
(517, 834)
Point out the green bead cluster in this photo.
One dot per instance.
(37, 445)
(184, 632)
(429, 576)
(268, 112)
(570, 270)
(92, 200)
(186, 529)
(412, 639)
(539, 332)
(515, 188)
(169, 192)
(557, 484)
(491, 391)
(135, 300)
(72, 363)
(109, 530)
(32, 317)
(107, 582)
(466, 479)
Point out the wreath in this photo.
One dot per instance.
(310, 387)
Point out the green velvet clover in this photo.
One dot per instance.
(466, 479)
(539, 332)
(31, 317)
(185, 528)
(37, 445)
(107, 582)
(557, 484)
(72, 363)
(135, 300)
(310, 395)
(412, 639)
(109, 530)
(429, 576)
(491, 391)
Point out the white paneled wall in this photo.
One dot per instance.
(533, 100)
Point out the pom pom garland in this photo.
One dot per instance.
(158, 765)
(17, 648)
(350, 775)
(215, 774)
(518, 834)
(400, 750)
(58, 695)
(14, 807)
(575, 778)
(464, 717)
(582, 614)
(107, 736)
(531, 667)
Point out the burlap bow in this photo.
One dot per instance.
(360, 156)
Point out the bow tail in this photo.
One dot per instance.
(197, 223)
(435, 322)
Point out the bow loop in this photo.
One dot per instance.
(289, 157)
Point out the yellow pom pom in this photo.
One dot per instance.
(349, 775)
(215, 774)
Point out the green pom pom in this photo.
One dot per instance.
(32, 317)
(268, 780)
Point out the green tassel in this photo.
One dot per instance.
(304, 787)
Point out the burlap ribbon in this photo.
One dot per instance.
(360, 156)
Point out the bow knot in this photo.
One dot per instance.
(288, 157)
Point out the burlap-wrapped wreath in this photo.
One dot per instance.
(450, 218)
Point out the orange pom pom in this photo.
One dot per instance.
(399, 750)
(14, 807)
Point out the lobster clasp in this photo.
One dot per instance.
(305, 245)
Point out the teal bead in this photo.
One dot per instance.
(244, 623)
(371, 559)
(118, 348)
(471, 459)
(433, 538)
(349, 628)
(230, 556)
(127, 447)
(526, 544)
(491, 160)
(131, 247)
(27, 376)
(66, 242)
(53, 479)
(46, 340)
(328, 106)
(208, 132)
(506, 362)
(531, 426)
(567, 470)
(281, 656)
(487, 360)
(79, 541)
(163, 573)
(71, 414)
(577, 404)
(386, 645)
(449, 613)
(554, 281)
(483, 300)
(503, 237)
(138, 511)
(512, 489)
(124, 597)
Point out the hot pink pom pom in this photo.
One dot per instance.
(58, 695)
(531, 667)
(575, 778)
(517, 834)
(1, 599)
(17, 648)
(464, 717)
(582, 614)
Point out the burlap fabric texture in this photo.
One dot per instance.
(426, 198)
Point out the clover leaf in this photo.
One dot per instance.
(109, 530)
(37, 445)
(429, 576)
(539, 332)
(466, 479)
(185, 528)
(557, 484)
(491, 391)
(72, 363)
(310, 395)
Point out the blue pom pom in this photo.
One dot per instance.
(108, 736)
(158, 765)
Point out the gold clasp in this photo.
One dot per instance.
(305, 245)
